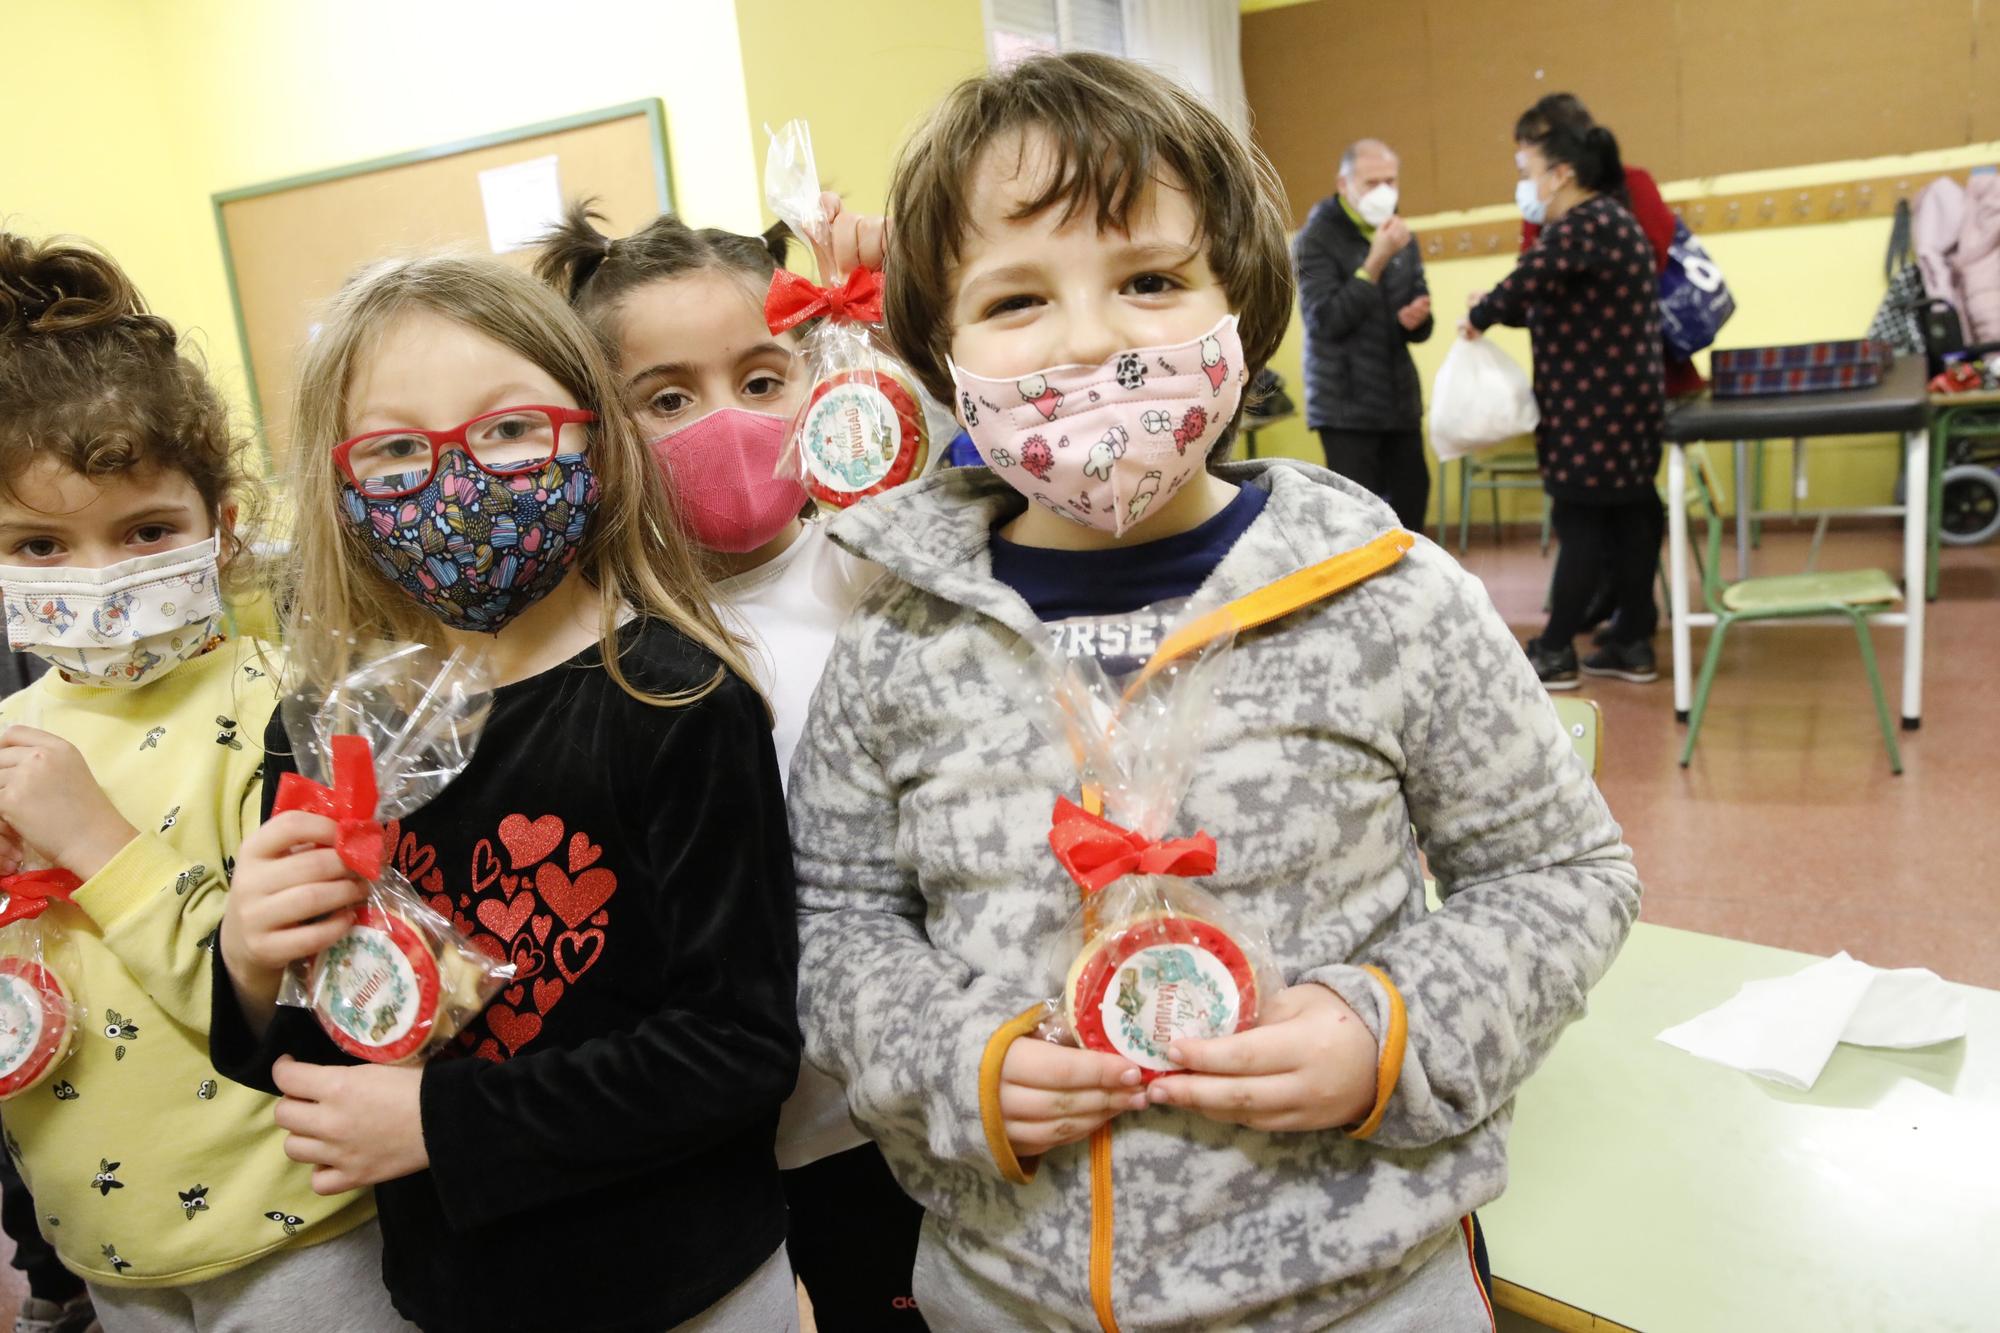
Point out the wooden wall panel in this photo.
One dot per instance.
(1492, 62)
(1342, 70)
(1773, 83)
(1693, 87)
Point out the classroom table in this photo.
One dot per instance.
(1899, 405)
(1651, 1190)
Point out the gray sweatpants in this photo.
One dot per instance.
(765, 1302)
(332, 1287)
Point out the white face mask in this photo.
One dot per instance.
(123, 625)
(1377, 206)
(1529, 201)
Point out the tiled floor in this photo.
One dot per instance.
(1789, 828)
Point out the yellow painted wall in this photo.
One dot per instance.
(209, 95)
(863, 72)
(1792, 284)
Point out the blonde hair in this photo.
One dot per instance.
(633, 553)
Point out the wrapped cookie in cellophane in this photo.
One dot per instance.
(862, 428)
(396, 724)
(1149, 957)
(40, 1014)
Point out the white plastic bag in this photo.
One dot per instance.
(1481, 398)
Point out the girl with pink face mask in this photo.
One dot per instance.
(682, 312)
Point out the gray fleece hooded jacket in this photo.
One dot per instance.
(920, 807)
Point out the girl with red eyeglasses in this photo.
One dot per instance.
(463, 474)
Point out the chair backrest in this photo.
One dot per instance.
(1705, 488)
(1584, 721)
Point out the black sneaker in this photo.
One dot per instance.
(1556, 666)
(1627, 661)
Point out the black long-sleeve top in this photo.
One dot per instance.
(600, 1138)
(1589, 297)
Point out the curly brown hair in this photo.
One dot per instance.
(1115, 127)
(91, 378)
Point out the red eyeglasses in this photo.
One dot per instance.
(386, 464)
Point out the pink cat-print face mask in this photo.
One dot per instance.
(1107, 445)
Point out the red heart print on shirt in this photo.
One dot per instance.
(577, 952)
(530, 840)
(514, 1029)
(541, 903)
(485, 866)
(574, 899)
(528, 960)
(506, 919)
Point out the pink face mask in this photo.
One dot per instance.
(1107, 445)
(719, 469)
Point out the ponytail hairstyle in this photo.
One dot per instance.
(1560, 127)
(595, 272)
(93, 380)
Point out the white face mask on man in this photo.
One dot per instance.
(1377, 206)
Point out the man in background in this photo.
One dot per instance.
(1363, 296)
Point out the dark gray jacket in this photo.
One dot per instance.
(1359, 375)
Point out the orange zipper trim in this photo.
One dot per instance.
(1302, 588)
(1472, 1262)
(1100, 1228)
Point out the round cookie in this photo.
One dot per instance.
(376, 989)
(1154, 979)
(36, 1028)
(863, 432)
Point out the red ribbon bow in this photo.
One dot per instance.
(349, 802)
(792, 300)
(1096, 851)
(28, 893)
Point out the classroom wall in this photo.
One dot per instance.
(863, 72)
(1695, 87)
(200, 96)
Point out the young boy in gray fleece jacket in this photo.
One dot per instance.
(1318, 1170)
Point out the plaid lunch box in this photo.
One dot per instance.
(1842, 363)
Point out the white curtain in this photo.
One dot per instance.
(1200, 43)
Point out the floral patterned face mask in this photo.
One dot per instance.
(473, 549)
(123, 625)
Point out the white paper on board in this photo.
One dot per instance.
(523, 200)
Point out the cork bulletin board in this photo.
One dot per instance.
(289, 245)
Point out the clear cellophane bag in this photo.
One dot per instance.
(1149, 956)
(40, 1013)
(389, 731)
(862, 428)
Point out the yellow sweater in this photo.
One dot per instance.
(147, 1168)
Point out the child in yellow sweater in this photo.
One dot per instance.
(134, 764)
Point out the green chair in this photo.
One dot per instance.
(1496, 472)
(1854, 593)
(1584, 721)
